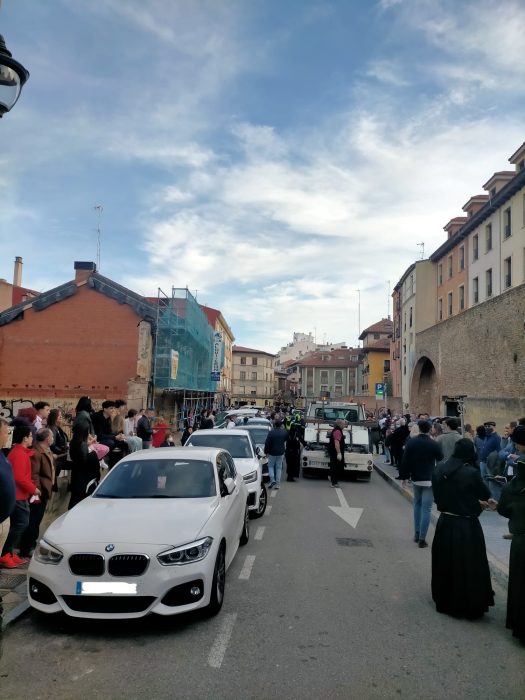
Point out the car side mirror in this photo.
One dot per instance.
(258, 452)
(229, 486)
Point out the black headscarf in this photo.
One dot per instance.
(465, 451)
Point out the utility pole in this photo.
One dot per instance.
(388, 300)
(422, 250)
(358, 314)
(98, 208)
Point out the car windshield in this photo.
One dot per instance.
(348, 414)
(258, 434)
(159, 478)
(237, 445)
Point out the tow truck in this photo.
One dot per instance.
(319, 423)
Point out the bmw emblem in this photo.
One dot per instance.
(110, 547)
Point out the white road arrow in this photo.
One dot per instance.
(344, 511)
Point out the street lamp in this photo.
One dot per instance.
(13, 77)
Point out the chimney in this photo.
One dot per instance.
(83, 270)
(17, 277)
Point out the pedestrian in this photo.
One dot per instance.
(293, 450)
(59, 447)
(418, 463)
(274, 448)
(7, 489)
(85, 465)
(461, 584)
(160, 429)
(43, 476)
(512, 506)
(42, 409)
(20, 459)
(231, 422)
(185, 435)
(336, 451)
(144, 429)
(397, 441)
(449, 437)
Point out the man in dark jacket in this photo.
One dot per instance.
(336, 451)
(274, 449)
(144, 428)
(418, 463)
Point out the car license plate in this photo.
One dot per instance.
(315, 463)
(105, 587)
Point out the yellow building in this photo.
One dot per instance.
(375, 364)
(253, 377)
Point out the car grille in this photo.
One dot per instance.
(128, 564)
(86, 564)
(108, 604)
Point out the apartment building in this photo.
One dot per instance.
(328, 373)
(451, 261)
(219, 325)
(253, 379)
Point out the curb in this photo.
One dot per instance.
(499, 572)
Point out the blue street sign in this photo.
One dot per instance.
(215, 376)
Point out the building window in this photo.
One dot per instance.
(449, 266)
(440, 274)
(449, 303)
(338, 376)
(338, 390)
(488, 238)
(507, 228)
(462, 258)
(440, 309)
(376, 336)
(254, 360)
(324, 376)
(507, 271)
(462, 298)
(410, 318)
(475, 289)
(475, 247)
(488, 279)
(253, 392)
(404, 366)
(254, 375)
(386, 366)
(324, 387)
(243, 375)
(243, 360)
(523, 210)
(405, 321)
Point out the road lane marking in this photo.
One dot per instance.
(218, 650)
(344, 511)
(259, 533)
(268, 510)
(247, 568)
(273, 493)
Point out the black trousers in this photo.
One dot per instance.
(336, 468)
(30, 536)
(17, 527)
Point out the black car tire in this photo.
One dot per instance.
(263, 502)
(218, 584)
(245, 534)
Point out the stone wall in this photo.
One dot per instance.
(479, 353)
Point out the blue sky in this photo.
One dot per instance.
(275, 156)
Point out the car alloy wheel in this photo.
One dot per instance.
(219, 583)
(263, 500)
(245, 534)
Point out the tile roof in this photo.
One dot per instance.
(385, 325)
(240, 348)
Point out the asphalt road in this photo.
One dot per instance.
(313, 609)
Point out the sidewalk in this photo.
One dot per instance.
(494, 526)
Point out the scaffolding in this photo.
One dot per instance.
(184, 345)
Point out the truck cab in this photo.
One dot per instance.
(319, 423)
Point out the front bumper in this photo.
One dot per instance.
(164, 590)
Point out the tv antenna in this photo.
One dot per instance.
(422, 250)
(98, 208)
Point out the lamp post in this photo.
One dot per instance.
(13, 77)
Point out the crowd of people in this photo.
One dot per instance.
(464, 472)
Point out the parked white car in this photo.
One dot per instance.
(240, 446)
(156, 536)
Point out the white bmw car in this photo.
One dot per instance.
(241, 448)
(156, 536)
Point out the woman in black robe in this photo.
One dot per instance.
(461, 584)
(512, 506)
(292, 452)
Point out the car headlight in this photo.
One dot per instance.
(186, 553)
(251, 477)
(46, 553)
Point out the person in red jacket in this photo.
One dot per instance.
(20, 459)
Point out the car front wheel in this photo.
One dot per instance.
(245, 534)
(263, 500)
(218, 584)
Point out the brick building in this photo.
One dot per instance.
(89, 336)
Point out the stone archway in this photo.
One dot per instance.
(424, 396)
